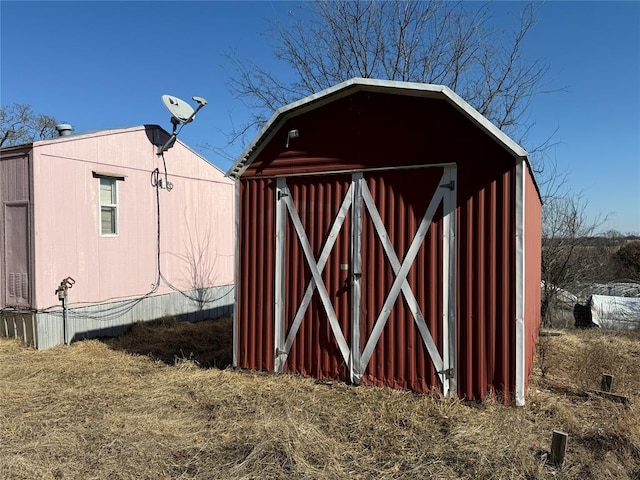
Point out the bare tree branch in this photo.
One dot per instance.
(19, 125)
(427, 41)
(566, 230)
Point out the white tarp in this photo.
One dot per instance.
(563, 297)
(615, 312)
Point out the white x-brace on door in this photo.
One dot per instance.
(357, 350)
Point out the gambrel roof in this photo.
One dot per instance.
(354, 85)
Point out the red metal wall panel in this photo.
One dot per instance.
(372, 130)
(533, 252)
(486, 276)
(256, 239)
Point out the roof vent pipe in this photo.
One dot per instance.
(64, 129)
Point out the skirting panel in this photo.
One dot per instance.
(46, 329)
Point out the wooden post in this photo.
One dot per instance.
(607, 383)
(558, 447)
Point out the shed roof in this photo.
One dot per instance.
(354, 85)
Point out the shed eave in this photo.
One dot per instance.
(341, 90)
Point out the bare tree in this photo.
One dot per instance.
(427, 41)
(568, 255)
(448, 43)
(19, 124)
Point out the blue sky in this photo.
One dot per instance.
(101, 65)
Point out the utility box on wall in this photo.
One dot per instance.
(388, 234)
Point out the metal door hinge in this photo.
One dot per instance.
(451, 185)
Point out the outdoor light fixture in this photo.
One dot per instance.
(292, 134)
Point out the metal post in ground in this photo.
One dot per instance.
(65, 285)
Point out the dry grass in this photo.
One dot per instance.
(142, 407)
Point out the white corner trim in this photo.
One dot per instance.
(520, 339)
(236, 273)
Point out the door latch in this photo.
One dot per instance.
(448, 373)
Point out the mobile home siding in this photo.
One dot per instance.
(196, 213)
(172, 254)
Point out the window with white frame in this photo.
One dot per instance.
(108, 206)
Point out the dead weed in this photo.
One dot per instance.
(143, 407)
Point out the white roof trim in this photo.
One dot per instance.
(93, 133)
(366, 84)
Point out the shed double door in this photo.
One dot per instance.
(364, 277)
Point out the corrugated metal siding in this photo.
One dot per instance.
(370, 130)
(256, 238)
(401, 198)
(533, 252)
(486, 276)
(485, 279)
(19, 325)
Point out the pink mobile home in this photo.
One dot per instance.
(131, 239)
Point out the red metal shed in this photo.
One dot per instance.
(388, 234)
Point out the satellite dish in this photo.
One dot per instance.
(179, 109)
(181, 114)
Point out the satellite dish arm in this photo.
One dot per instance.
(164, 147)
(193, 115)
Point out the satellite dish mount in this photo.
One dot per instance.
(181, 114)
